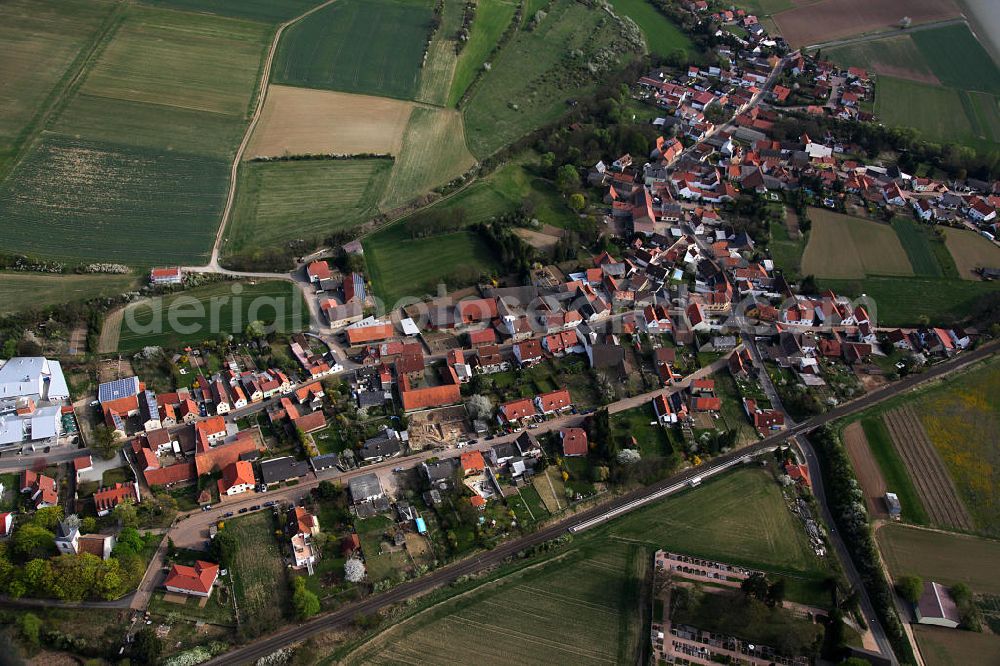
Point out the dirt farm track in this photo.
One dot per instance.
(829, 20)
(924, 466)
(869, 476)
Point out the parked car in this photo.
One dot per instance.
(244, 510)
(206, 507)
(227, 514)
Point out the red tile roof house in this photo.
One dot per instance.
(318, 270)
(106, 499)
(82, 464)
(528, 352)
(763, 419)
(664, 412)
(574, 441)
(237, 478)
(41, 488)
(196, 581)
(473, 463)
(516, 410)
(554, 401)
(159, 276)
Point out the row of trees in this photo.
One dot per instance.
(848, 509)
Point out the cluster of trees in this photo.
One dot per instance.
(848, 509)
(468, 16)
(513, 253)
(304, 601)
(27, 567)
(758, 587)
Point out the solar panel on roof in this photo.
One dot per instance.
(119, 388)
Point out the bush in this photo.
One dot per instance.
(910, 588)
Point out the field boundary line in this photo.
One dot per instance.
(477, 588)
(111, 331)
(68, 84)
(262, 85)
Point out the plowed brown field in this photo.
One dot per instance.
(924, 465)
(835, 19)
(867, 470)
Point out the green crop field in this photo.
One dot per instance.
(23, 291)
(785, 251)
(308, 199)
(492, 19)
(534, 74)
(258, 573)
(985, 109)
(841, 246)
(76, 201)
(523, 617)
(958, 59)
(902, 301)
(433, 153)
(940, 116)
(203, 313)
(505, 190)
(190, 61)
(738, 518)
(662, 36)
(439, 68)
(914, 239)
(400, 266)
(270, 11)
(942, 557)
(43, 41)
(362, 46)
(132, 168)
(940, 646)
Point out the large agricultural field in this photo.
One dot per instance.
(940, 646)
(962, 420)
(971, 251)
(259, 10)
(492, 19)
(829, 20)
(841, 246)
(132, 165)
(364, 46)
(458, 257)
(534, 75)
(23, 291)
(442, 55)
(904, 301)
(204, 312)
(302, 121)
(946, 558)
(663, 38)
(44, 41)
(303, 199)
(432, 154)
(596, 580)
(738, 518)
(946, 68)
(522, 618)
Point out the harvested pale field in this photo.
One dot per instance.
(869, 475)
(433, 153)
(544, 240)
(841, 246)
(551, 489)
(302, 121)
(926, 469)
(836, 19)
(971, 251)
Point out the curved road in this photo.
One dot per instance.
(448, 574)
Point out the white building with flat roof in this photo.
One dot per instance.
(32, 393)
